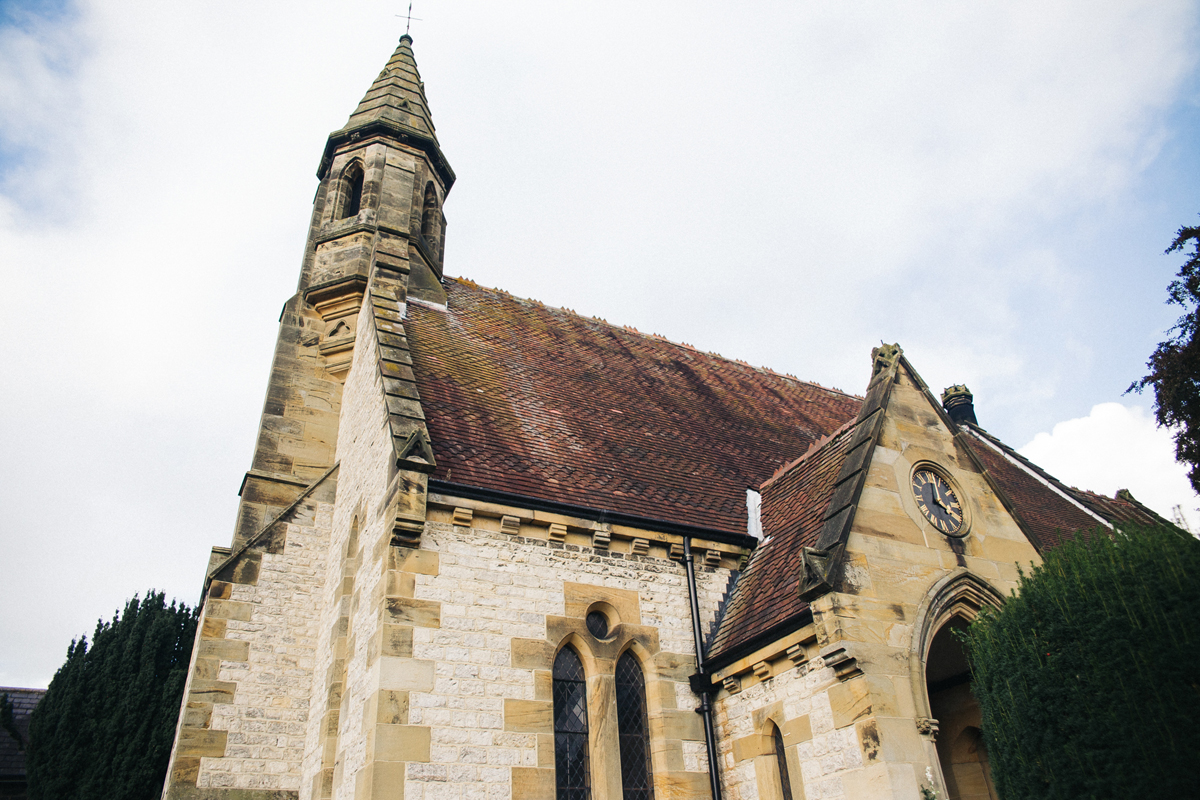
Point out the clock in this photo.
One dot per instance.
(938, 501)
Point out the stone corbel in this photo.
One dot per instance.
(417, 453)
(407, 505)
(817, 577)
(844, 665)
(338, 304)
(927, 727)
(797, 655)
(601, 536)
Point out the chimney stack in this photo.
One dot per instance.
(959, 404)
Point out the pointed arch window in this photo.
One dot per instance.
(781, 765)
(633, 730)
(430, 222)
(351, 191)
(570, 727)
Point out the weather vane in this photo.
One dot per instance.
(408, 18)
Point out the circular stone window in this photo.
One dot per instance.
(597, 624)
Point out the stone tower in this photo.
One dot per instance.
(383, 180)
(377, 232)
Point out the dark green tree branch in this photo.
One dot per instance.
(1175, 365)
(106, 724)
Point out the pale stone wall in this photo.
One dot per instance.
(267, 719)
(246, 700)
(473, 719)
(798, 702)
(505, 600)
(364, 453)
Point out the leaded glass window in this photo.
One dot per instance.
(636, 778)
(570, 727)
(597, 625)
(785, 781)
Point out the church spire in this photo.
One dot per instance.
(394, 107)
(398, 95)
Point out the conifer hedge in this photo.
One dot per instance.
(106, 723)
(1089, 678)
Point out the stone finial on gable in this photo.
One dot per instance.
(417, 453)
(884, 357)
(959, 403)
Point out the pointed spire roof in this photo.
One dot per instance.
(397, 95)
(394, 106)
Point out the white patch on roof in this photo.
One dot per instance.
(754, 514)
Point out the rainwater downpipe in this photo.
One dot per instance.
(701, 682)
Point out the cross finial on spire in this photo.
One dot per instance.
(408, 18)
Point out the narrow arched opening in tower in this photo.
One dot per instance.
(430, 222)
(960, 747)
(351, 191)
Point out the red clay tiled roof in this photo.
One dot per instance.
(1043, 508)
(1118, 509)
(541, 402)
(1048, 514)
(793, 507)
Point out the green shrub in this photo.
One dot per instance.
(105, 726)
(1089, 678)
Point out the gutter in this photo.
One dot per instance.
(701, 682)
(683, 530)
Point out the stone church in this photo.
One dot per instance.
(492, 549)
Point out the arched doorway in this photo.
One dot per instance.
(960, 747)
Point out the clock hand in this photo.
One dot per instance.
(937, 497)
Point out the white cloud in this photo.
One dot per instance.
(1117, 447)
(788, 185)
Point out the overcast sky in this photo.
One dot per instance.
(990, 184)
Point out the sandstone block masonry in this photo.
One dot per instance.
(448, 686)
(245, 711)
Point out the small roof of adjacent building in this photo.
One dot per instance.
(793, 510)
(12, 754)
(766, 597)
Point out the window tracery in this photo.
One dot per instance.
(633, 730)
(570, 727)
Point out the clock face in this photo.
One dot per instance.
(937, 501)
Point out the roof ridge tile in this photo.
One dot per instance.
(654, 336)
(814, 448)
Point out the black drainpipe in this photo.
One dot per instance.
(701, 681)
